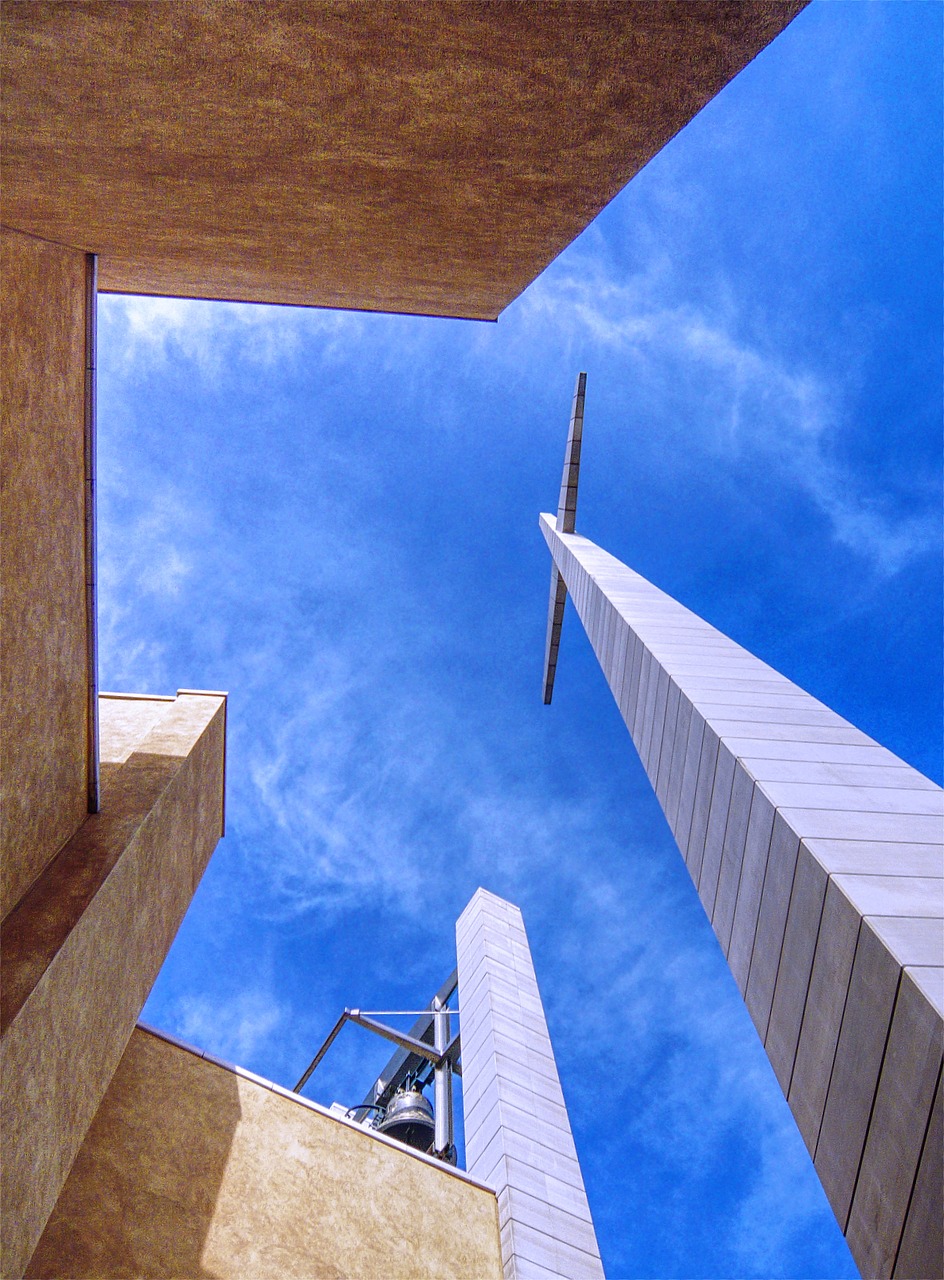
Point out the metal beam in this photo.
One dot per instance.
(442, 1084)
(416, 1047)
(332, 1036)
(401, 1038)
(403, 1063)
(566, 521)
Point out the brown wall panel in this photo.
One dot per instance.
(81, 951)
(192, 1170)
(44, 664)
(423, 158)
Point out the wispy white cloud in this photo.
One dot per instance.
(681, 1074)
(148, 332)
(384, 802)
(783, 1204)
(713, 384)
(233, 1027)
(148, 553)
(710, 374)
(146, 561)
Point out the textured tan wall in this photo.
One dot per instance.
(123, 723)
(43, 665)
(425, 157)
(82, 949)
(190, 1170)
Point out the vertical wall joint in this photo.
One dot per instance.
(91, 547)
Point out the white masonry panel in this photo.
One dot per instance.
(817, 857)
(517, 1134)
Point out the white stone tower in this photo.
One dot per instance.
(817, 855)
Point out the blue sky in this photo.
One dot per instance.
(334, 517)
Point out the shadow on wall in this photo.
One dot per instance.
(144, 1187)
(192, 1171)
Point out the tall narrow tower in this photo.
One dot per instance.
(817, 856)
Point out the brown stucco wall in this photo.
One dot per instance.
(82, 949)
(425, 157)
(190, 1170)
(43, 667)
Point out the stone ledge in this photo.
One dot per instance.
(82, 949)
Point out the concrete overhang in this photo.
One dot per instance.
(428, 158)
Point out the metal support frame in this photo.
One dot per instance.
(403, 1062)
(428, 1044)
(442, 1081)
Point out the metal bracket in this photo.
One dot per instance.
(412, 1045)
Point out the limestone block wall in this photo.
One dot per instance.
(193, 1168)
(81, 950)
(517, 1132)
(817, 855)
(43, 658)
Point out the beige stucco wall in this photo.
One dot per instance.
(81, 951)
(43, 669)
(124, 720)
(190, 1170)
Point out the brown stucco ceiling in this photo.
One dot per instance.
(425, 157)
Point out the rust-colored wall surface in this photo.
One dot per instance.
(43, 669)
(190, 1170)
(409, 157)
(81, 950)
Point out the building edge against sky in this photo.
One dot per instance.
(818, 858)
(92, 901)
(254, 1179)
(429, 159)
